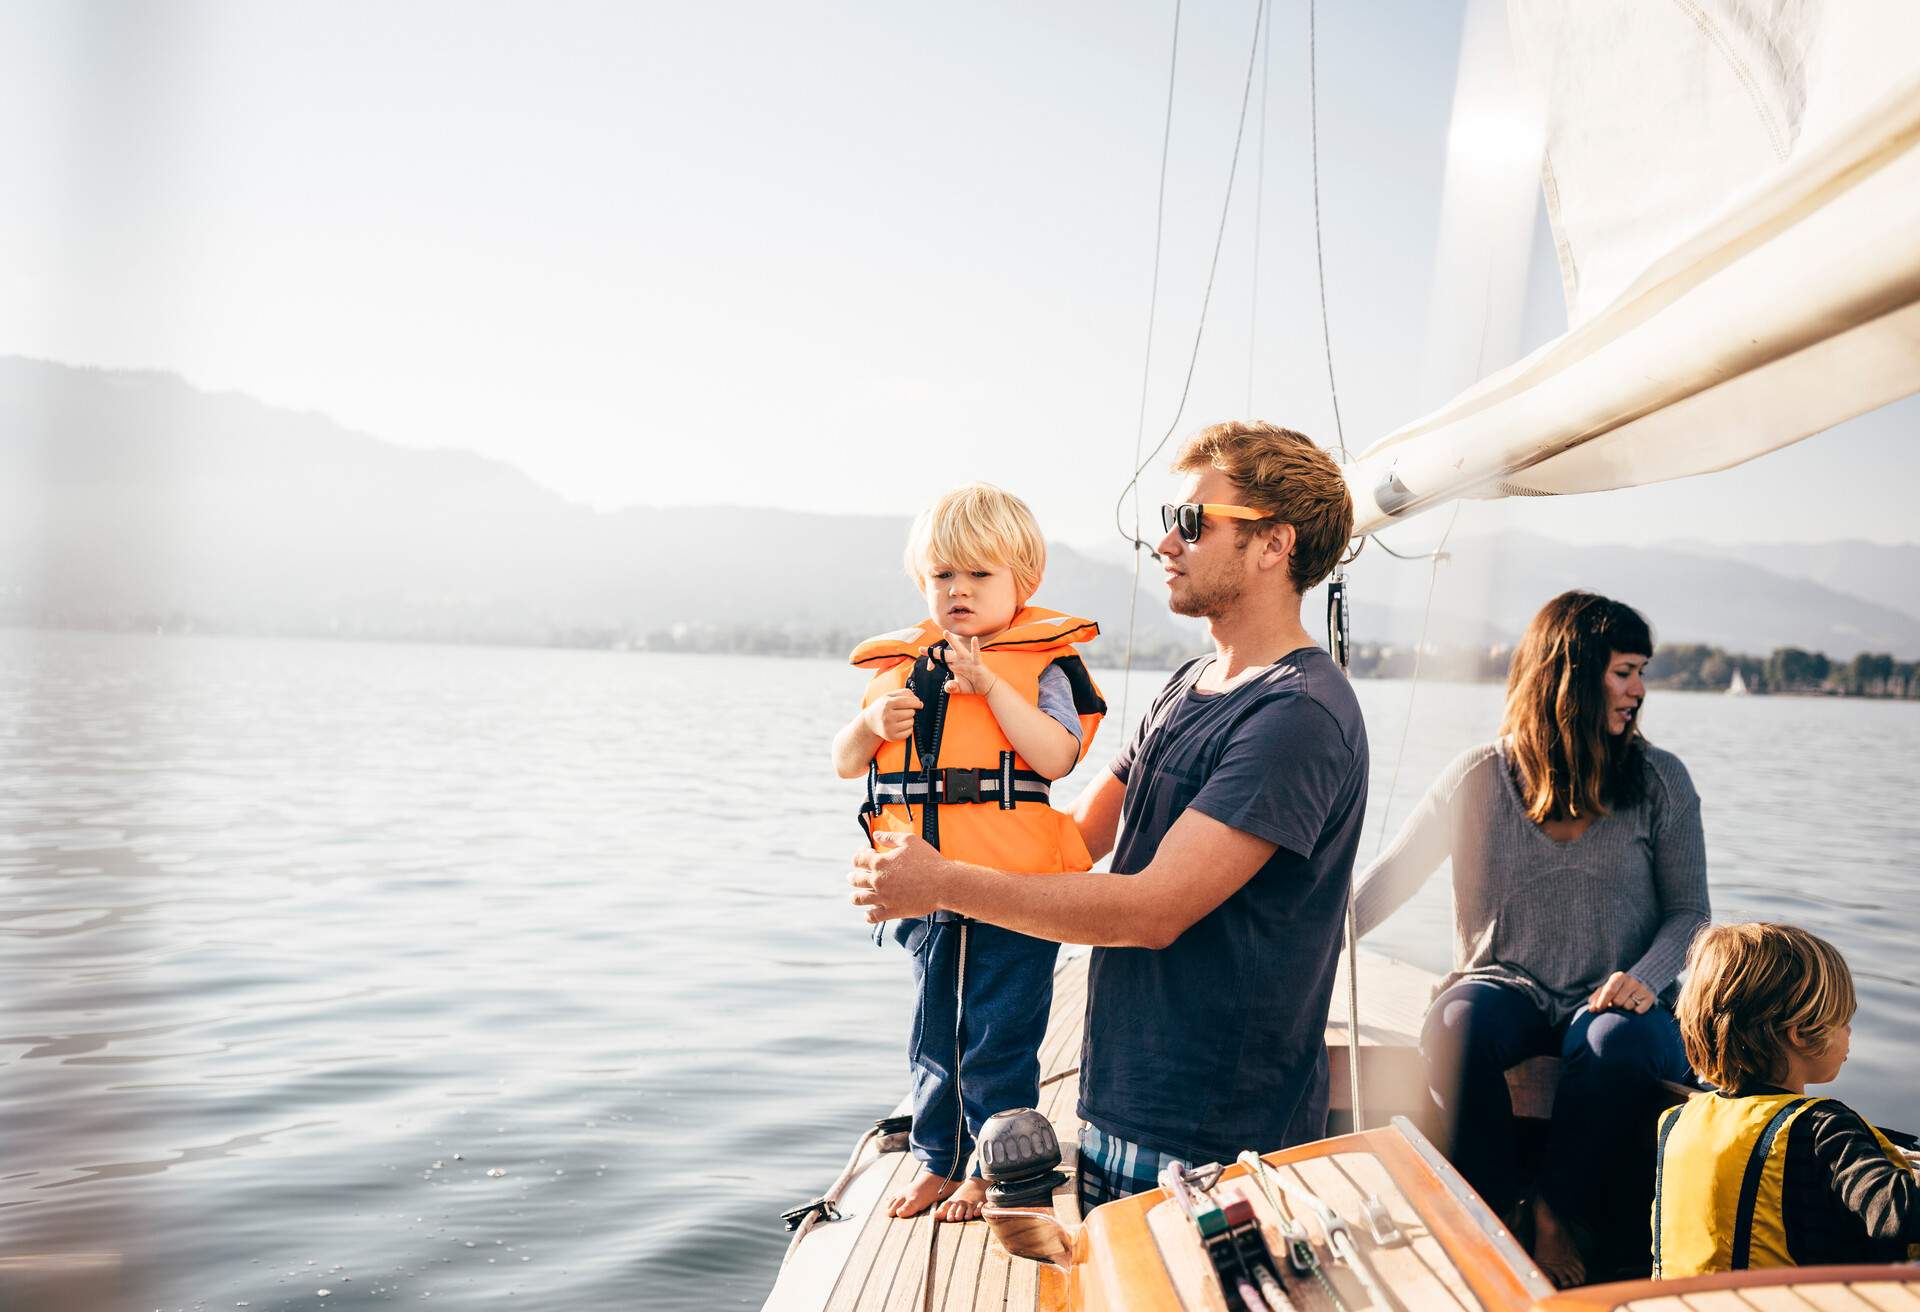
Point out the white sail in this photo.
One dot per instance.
(1735, 192)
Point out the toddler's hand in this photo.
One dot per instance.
(963, 663)
(891, 718)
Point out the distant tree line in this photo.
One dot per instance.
(1685, 665)
(1786, 670)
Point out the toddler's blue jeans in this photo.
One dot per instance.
(1002, 1019)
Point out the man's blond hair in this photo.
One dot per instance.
(978, 527)
(1747, 987)
(1287, 475)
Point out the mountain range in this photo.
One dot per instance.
(132, 499)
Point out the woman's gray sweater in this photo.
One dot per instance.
(1553, 919)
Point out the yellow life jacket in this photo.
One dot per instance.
(1719, 1183)
(956, 780)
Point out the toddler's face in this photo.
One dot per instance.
(975, 602)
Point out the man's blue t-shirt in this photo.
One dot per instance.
(1216, 1042)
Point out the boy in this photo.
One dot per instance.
(1759, 1174)
(968, 719)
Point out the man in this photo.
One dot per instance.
(1232, 816)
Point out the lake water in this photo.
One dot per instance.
(526, 978)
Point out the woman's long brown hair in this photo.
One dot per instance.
(1566, 763)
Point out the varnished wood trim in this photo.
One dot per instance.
(1872, 1279)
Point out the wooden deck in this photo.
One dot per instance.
(870, 1261)
(887, 1267)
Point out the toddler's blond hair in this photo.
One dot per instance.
(977, 527)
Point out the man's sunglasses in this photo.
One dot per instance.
(1191, 516)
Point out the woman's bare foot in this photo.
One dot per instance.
(964, 1204)
(926, 1190)
(1554, 1248)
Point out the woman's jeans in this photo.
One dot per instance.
(1611, 1063)
(1009, 990)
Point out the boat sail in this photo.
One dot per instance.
(1734, 188)
(1738, 686)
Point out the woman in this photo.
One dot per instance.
(1579, 878)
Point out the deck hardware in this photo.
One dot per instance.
(891, 1133)
(826, 1208)
(1300, 1255)
(1231, 1236)
(1380, 1223)
(1340, 1244)
(1020, 1159)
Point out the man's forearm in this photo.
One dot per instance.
(1101, 910)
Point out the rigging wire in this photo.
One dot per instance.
(1339, 584)
(1259, 206)
(1439, 557)
(1193, 360)
(1213, 267)
(1319, 254)
(1146, 366)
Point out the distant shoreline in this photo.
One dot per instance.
(1683, 667)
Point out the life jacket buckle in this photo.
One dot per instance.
(959, 785)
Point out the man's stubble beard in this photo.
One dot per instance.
(1208, 604)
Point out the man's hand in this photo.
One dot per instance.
(891, 718)
(898, 878)
(963, 663)
(1622, 992)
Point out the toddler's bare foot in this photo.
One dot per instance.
(1554, 1248)
(926, 1190)
(964, 1204)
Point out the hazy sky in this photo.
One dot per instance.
(822, 256)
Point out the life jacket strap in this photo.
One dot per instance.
(1742, 1253)
(956, 786)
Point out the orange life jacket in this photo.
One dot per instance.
(986, 805)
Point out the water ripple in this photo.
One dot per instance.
(360, 924)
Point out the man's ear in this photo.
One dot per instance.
(1278, 550)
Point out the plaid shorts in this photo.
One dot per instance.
(1112, 1167)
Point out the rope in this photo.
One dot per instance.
(832, 1195)
(960, 1118)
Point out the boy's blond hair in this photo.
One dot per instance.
(977, 527)
(1747, 987)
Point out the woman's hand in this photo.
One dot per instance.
(1622, 992)
(891, 718)
(963, 663)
